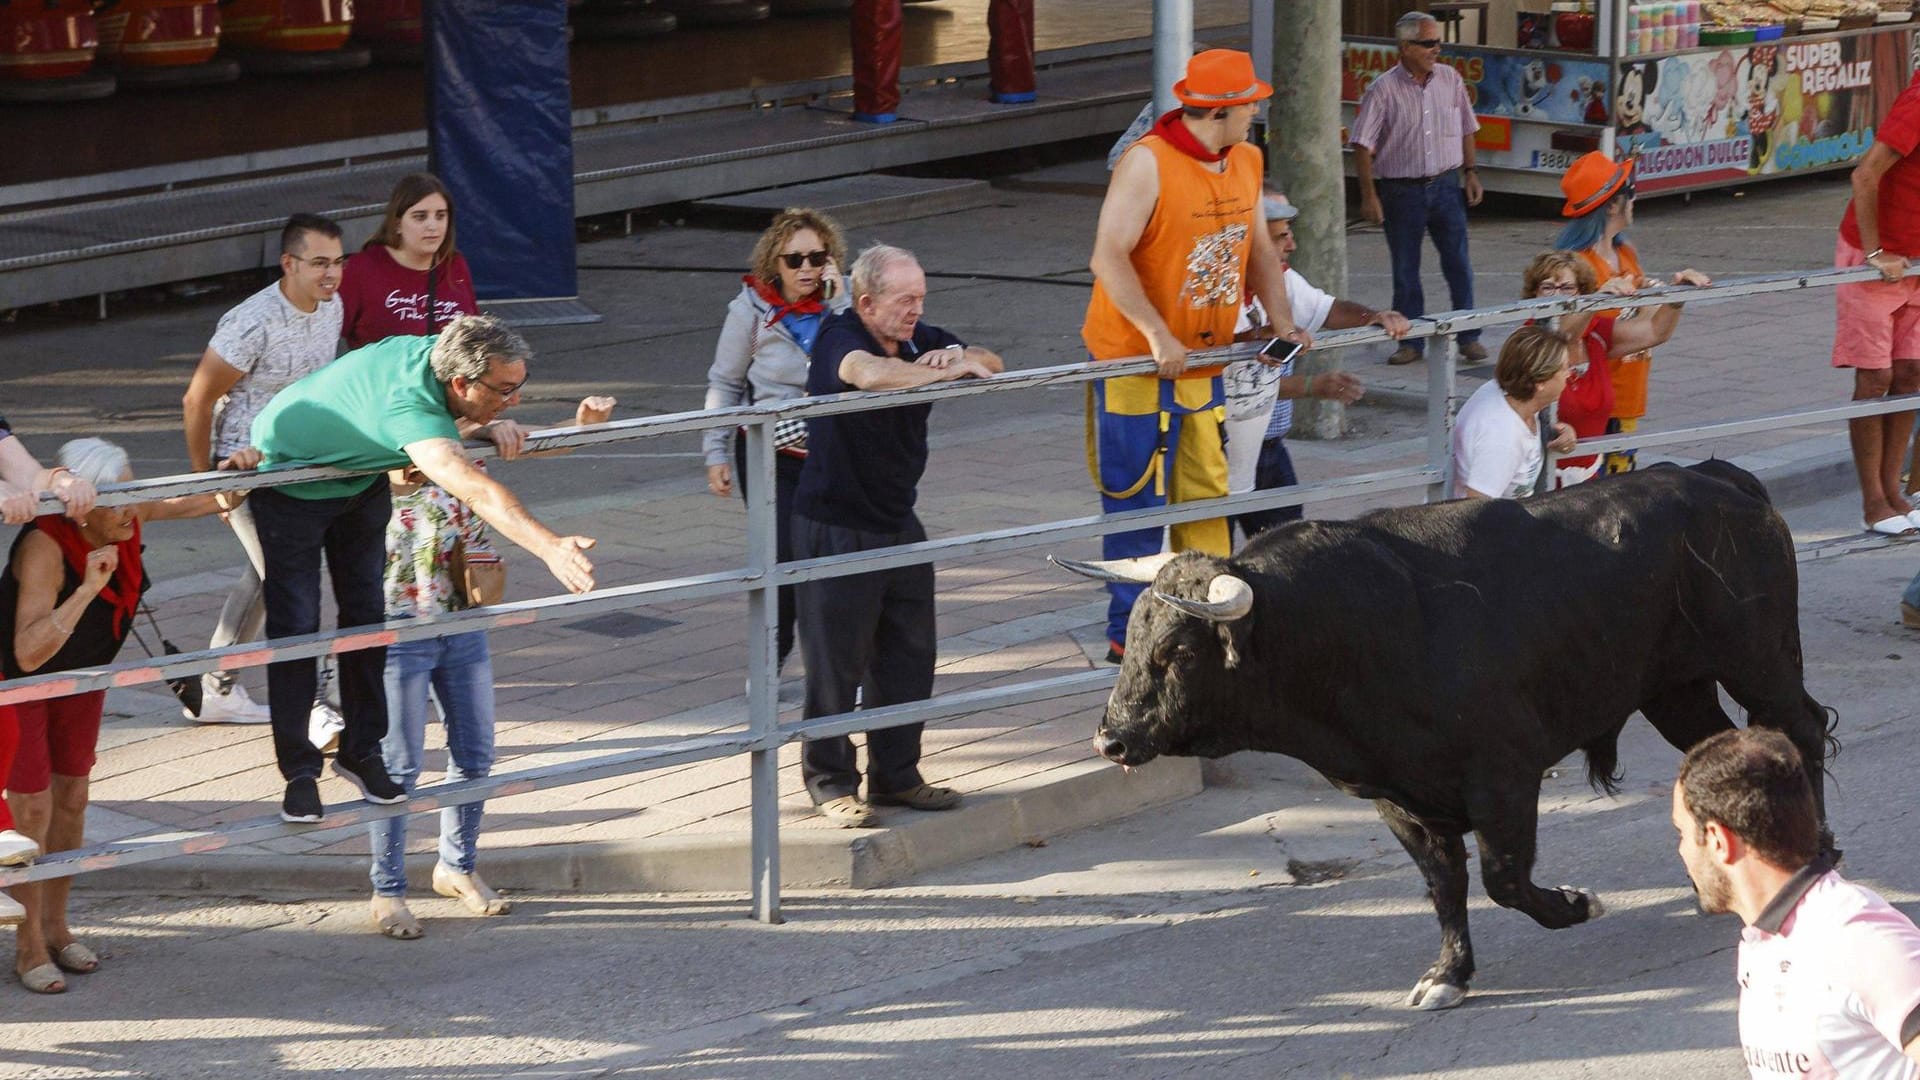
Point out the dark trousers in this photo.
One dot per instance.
(1273, 470)
(871, 632)
(293, 534)
(1413, 211)
(786, 477)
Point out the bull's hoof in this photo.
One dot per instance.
(1595, 908)
(1431, 996)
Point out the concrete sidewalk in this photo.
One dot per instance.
(602, 684)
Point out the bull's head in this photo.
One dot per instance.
(1179, 692)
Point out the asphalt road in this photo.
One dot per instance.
(1268, 927)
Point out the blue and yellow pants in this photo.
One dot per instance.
(1151, 441)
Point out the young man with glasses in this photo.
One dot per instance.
(272, 339)
(1413, 149)
(401, 401)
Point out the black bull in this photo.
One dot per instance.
(1437, 659)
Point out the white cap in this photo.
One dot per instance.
(1277, 208)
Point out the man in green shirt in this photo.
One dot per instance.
(401, 401)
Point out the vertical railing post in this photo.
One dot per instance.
(1439, 419)
(763, 670)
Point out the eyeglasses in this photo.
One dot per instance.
(793, 259)
(323, 265)
(1425, 43)
(1626, 190)
(508, 392)
(1546, 287)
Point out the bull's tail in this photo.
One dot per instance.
(1603, 762)
(1728, 473)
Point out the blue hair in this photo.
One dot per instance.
(1584, 232)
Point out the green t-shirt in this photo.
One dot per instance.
(356, 413)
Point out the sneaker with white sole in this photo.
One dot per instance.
(11, 913)
(302, 805)
(232, 705)
(16, 849)
(371, 777)
(324, 726)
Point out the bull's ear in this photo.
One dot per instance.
(1140, 571)
(1228, 646)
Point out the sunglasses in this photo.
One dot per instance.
(1425, 43)
(793, 259)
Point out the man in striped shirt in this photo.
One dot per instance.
(1413, 148)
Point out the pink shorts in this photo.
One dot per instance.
(57, 736)
(1875, 322)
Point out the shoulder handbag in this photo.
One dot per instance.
(479, 583)
(789, 436)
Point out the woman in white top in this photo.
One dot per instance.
(1496, 437)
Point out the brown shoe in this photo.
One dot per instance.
(1473, 351)
(1909, 615)
(1405, 354)
(918, 797)
(848, 812)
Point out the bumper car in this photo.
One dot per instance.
(718, 12)
(393, 29)
(291, 37)
(621, 19)
(157, 43)
(47, 49)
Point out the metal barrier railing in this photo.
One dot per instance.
(764, 574)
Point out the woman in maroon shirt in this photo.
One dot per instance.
(408, 267)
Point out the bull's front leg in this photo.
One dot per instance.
(1442, 860)
(1504, 825)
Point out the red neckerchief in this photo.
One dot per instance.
(1180, 138)
(781, 309)
(123, 591)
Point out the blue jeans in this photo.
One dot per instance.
(1413, 211)
(1274, 470)
(459, 672)
(352, 533)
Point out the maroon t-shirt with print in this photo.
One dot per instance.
(383, 299)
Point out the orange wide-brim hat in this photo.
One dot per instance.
(1220, 77)
(1591, 181)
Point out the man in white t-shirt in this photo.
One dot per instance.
(267, 342)
(1496, 437)
(1829, 972)
(1260, 396)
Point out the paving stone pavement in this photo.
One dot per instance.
(612, 683)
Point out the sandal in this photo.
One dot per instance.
(917, 797)
(477, 895)
(76, 959)
(44, 979)
(392, 919)
(848, 812)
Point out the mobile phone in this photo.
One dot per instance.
(1279, 351)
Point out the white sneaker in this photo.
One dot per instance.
(11, 913)
(17, 850)
(233, 706)
(324, 726)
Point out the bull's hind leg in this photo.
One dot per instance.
(1442, 859)
(1786, 707)
(1504, 823)
(1687, 713)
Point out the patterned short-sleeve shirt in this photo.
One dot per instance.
(426, 524)
(273, 345)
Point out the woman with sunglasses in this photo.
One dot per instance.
(792, 285)
(1587, 404)
(1599, 203)
(410, 278)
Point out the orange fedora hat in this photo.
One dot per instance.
(1592, 180)
(1220, 77)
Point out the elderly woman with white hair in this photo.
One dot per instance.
(67, 600)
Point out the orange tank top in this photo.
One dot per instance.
(1629, 372)
(1191, 258)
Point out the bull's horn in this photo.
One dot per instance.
(1228, 598)
(1138, 571)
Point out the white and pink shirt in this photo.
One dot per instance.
(1829, 983)
(1415, 130)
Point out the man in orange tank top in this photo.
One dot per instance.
(1179, 245)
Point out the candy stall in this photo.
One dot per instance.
(1706, 93)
